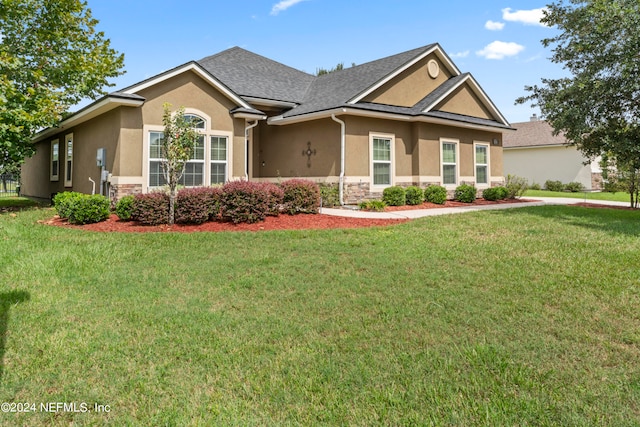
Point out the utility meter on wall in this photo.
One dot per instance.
(101, 157)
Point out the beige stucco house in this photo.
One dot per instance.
(411, 118)
(535, 153)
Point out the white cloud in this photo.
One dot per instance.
(494, 26)
(283, 5)
(500, 50)
(460, 54)
(527, 17)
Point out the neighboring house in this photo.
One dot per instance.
(411, 118)
(534, 153)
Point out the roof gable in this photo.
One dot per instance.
(403, 62)
(413, 84)
(198, 70)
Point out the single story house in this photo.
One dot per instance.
(411, 118)
(535, 153)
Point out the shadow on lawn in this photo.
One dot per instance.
(8, 300)
(607, 219)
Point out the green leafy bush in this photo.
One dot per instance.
(465, 193)
(535, 186)
(551, 185)
(197, 205)
(330, 194)
(435, 194)
(89, 209)
(494, 193)
(275, 198)
(394, 196)
(124, 208)
(414, 195)
(65, 201)
(574, 187)
(516, 186)
(244, 201)
(300, 196)
(372, 205)
(151, 208)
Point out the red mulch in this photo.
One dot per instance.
(282, 222)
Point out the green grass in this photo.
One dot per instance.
(614, 197)
(525, 316)
(16, 203)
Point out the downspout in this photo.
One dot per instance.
(342, 156)
(246, 149)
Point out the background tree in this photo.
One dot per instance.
(598, 106)
(338, 67)
(178, 143)
(51, 57)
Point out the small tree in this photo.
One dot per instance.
(177, 147)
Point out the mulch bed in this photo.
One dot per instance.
(283, 222)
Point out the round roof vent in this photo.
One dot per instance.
(433, 68)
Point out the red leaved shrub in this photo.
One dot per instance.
(275, 197)
(197, 205)
(244, 201)
(300, 196)
(151, 208)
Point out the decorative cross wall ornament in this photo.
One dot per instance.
(309, 152)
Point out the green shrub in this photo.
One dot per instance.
(414, 195)
(372, 205)
(275, 198)
(90, 209)
(465, 193)
(516, 186)
(503, 193)
(574, 187)
(64, 202)
(124, 208)
(244, 201)
(394, 196)
(330, 195)
(535, 186)
(300, 196)
(151, 208)
(494, 193)
(551, 185)
(435, 194)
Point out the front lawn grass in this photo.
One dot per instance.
(524, 316)
(612, 197)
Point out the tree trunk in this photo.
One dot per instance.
(172, 205)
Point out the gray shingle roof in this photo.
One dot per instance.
(335, 89)
(537, 133)
(252, 75)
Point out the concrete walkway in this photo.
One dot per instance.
(419, 213)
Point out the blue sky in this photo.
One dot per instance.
(497, 41)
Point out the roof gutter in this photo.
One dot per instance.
(246, 148)
(343, 138)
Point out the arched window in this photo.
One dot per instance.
(208, 164)
(198, 122)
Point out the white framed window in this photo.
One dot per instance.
(54, 168)
(209, 161)
(218, 160)
(481, 159)
(68, 160)
(382, 159)
(449, 155)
